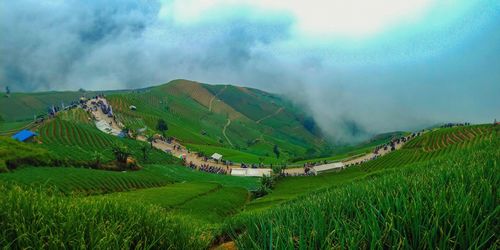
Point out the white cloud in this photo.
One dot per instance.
(353, 18)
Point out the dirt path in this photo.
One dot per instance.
(224, 132)
(351, 161)
(213, 98)
(269, 116)
(100, 116)
(176, 149)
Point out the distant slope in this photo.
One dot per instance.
(197, 113)
(23, 106)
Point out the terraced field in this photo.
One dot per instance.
(83, 181)
(203, 202)
(80, 141)
(433, 145)
(439, 191)
(185, 105)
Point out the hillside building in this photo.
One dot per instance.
(24, 136)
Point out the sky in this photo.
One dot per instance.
(358, 67)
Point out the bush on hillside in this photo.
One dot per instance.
(3, 167)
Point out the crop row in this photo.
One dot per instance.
(429, 202)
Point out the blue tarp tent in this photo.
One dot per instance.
(24, 135)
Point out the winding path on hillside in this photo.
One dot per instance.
(224, 132)
(213, 98)
(269, 116)
(192, 157)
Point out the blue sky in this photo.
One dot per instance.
(383, 64)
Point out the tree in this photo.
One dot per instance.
(121, 154)
(266, 186)
(162, 126)
(150, 138)
(144, 150)
(276, 151)
(97, 159)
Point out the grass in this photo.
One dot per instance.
(180, 174)
(34, 219)
(415, 151)
(83, 181)
(445, 201)
(438, 191)
(204, 203)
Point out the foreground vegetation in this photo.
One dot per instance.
(33, 219)
(441, 202)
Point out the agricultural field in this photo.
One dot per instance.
(456, 166)
(35, 219)
(81, 181)
(204, 210)
(417, 205)
(204, 202)
(411, 153)
(77, 139)
(197, 114)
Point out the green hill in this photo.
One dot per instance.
(244, 124)
(197, 114)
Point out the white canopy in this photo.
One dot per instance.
(330, 166)
(251, 172)
(216, 156)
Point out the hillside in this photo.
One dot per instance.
(431, 181)
(243, 124)
(439, 191)
(227, 119)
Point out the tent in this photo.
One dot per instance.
(24, 135)
(328, 167)
(216, 156)
(251, 172)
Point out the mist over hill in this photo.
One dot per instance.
(402, 78)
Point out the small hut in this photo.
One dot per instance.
(24, 136)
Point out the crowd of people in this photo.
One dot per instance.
(451, 125)
(244, 165)
(286, 174)
(394, 142)
(209, 169)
